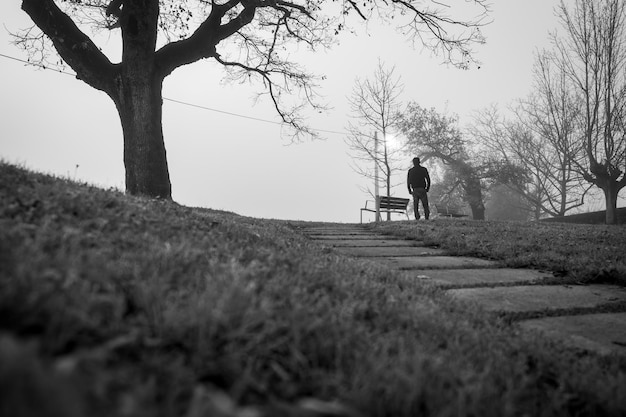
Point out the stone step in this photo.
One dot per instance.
(378, 252)
(331, 232)
(353, 236)
(486, 277)
(541, 297)
(604, 333)
(378, 243)
(435, 262)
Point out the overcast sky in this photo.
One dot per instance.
(53, 123)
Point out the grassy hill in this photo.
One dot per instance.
(576, 253)
(595, 217)
(112, 305)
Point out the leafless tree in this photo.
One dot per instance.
(541, 140)
(550, 115)
(250, 38)
(592, 54)
(514, 146)
(375, 109)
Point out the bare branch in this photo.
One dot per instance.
(76, 48)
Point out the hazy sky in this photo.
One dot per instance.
(54, 123)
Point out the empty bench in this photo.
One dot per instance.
(388, 205)
(448, 212)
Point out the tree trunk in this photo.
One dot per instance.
(563, 194)
(474, 195)
(473, 191)
(478, 211)
(139, 104)
(610, 197)
(137, 95)
(388, 189)
(607, 179)
(135, 84)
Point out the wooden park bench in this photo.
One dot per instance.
(448, 212)
(388, 205)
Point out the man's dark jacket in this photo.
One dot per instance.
(418, 178)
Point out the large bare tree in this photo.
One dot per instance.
(375, 110)
(591, 52)
(250, 38)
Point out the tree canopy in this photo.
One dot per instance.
(431, 134)
(251, 38)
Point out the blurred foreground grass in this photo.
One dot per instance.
(112, 305)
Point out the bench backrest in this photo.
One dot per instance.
(393, 203)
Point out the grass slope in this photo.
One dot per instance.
(118, 306)
(577, 253)
(595, 217)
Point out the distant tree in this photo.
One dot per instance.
(504, 203)
(446, 188)
(550, 115)
(375, 110)
(591, 53)
(434, 135)
(250, 38)
(540, 141)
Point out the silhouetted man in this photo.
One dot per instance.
(418, 182)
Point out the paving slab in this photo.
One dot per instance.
(338, 232)
(542, 297)
(435, 262)
(487, 276)
(353, 236)
(378, 243)
(604, 333)
(369, 252)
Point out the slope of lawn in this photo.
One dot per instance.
(594, 217)
(577, 253)
(113, 305)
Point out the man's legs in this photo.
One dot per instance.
(416, 201)
(420, 194)
(425, 204)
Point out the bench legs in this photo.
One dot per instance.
(381, 212)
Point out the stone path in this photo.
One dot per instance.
(574, 313)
